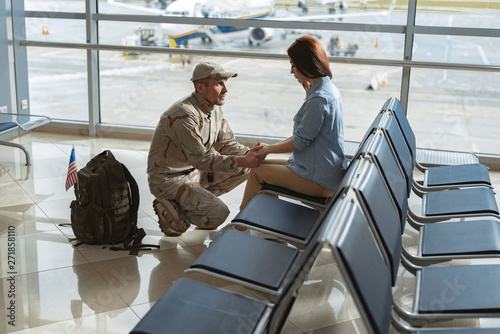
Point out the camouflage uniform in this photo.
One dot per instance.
(192, 160)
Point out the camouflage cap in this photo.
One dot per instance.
(206, 69)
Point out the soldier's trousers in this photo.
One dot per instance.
(196, 195)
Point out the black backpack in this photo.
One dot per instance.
(106, 205)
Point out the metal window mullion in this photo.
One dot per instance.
(55, 15)
(92, 66)
(17, 57)
(457, 31)
(10, 61)
(408, 53)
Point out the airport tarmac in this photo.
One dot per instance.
(448, 109)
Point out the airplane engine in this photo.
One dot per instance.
(258, 36)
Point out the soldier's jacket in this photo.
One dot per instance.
(191, 136)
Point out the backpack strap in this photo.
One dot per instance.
(137, 244)
(134, 189)
(139, 233)
(118, 169)
(72, 239)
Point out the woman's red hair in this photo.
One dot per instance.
(309, 57)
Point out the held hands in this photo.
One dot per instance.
(258, 153)
(254, 157)
(260, 148)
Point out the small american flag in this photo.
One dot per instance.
(72, 177)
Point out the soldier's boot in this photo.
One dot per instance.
(170, 218)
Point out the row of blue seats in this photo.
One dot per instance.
(362, 224)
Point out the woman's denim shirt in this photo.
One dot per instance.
(318, 136)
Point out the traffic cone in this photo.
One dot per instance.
(373, 84)
(383, 80)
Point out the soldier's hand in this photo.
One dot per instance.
(251, 160)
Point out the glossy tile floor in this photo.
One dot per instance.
(49, 286)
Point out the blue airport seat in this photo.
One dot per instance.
(191, 307)
(383, 215)
(401, 151)
(438, 177)
(461, 202)
(259, 264)
(12, 125)
(245, 258)
(477, 237)
(288, 221)
(463, 175)
(316, 202)
(7, 125)
(439, 205)
(382, 155)
(394, 106)
(473, 291)
(363, 268)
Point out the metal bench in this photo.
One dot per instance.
(13, 125)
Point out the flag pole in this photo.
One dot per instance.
(72, 175)
(77, 184)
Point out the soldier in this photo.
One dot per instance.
(194, 156)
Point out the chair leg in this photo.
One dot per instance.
(28, 160)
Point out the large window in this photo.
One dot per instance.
(457, 49)
(455, 110)
(58, 83)
(468, 14)
(262, 100)
(370, 46)
(69, 6)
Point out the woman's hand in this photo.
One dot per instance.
(284, 146)
(260, 148)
